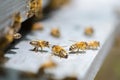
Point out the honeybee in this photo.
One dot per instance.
(78, 46)
(37, 26)
(17, 22)
(32, 5)
(93, 44)
(35, 8)
(49, 64)
(89, 31)
(11, 35)
(55, 32)
(54, 4)
(59, 51)
(39, 44)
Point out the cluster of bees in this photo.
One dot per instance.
(34, 8)
(59, 50)
(55, 32)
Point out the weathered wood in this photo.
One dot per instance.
(7, 10)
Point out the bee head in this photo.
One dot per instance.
(34, 43)
(66, 56)
(53, 46)
(71, 48)
(47, 44)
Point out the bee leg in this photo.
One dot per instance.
(35, 49)
(60, 57)
(94, 48)
(77, 51)
(41, 49)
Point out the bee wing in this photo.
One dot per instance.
(72, 41)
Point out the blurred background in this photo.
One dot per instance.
(110, 69)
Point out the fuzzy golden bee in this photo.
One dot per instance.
(14, 28)
(39, 44)
(89, 31)
(59, 51)
(37, 26)
(11, 35)
(48, 64)
(17, 22)
(78, 46)
(55, 32)
(93, 44)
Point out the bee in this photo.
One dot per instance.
(55, 32)
(17, 22)
(78, 46)
(11, 35)
(59, 51)
(34, 8)
(39, 44)
(93, 44)
(89, 31)
(37, 26)
(49, 64)
(32, 4)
